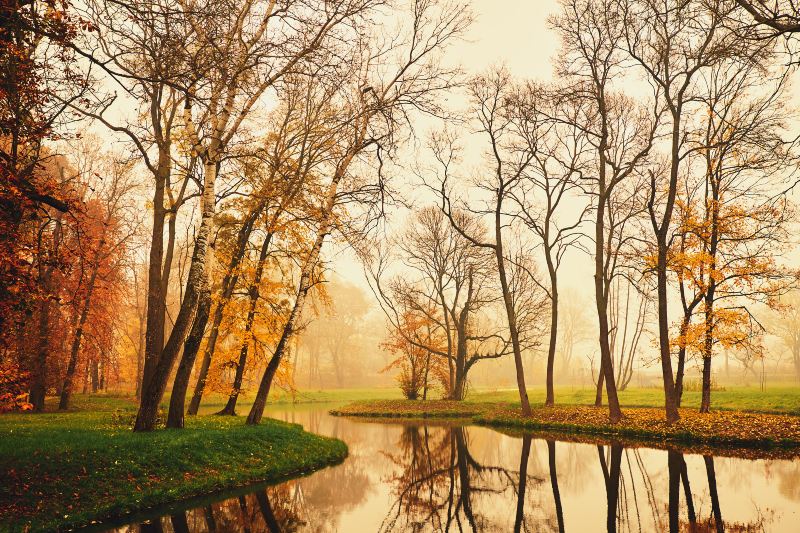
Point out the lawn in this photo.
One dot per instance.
(781, 399)
(67, 469)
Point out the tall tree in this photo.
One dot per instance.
(621, 134)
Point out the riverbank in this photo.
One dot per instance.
(63, 470)
(719, 428)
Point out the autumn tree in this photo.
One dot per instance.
(412, 343)
(109, 225)
(698, 39)
(368, 114)
(738, 226)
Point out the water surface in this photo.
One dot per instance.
(430, 477)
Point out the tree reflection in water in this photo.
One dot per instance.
(453, 479)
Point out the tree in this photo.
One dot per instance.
(447, 283)
(697, 38)
(558, 153)
(739, 228)
(416, 363)
(365, 117)
(620, 134)
(505, 169)
(103, 246)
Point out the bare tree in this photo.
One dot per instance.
(505, 170)
(621, 134)
(558, 149)
(446, 281)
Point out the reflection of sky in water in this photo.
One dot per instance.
(404, 478)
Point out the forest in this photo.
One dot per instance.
(214, 211)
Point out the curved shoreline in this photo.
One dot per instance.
(99, 473)
(734, 433)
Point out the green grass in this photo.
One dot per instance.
(780, 399)
(67, 469)
(213, 402)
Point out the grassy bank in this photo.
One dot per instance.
(722, 428)
(67, 469)
(778, 399)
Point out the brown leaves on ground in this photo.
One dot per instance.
(726, 428)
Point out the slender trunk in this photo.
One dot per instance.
(674, 468)
(670, 396)
(551, 460)
(708, 347)
(551, 350)
(601, 379)
(66, 389)
(177, 401)
(39, 367)
(687, 492)
(230, 406)
(511, 316)
(712, 489)
(519, 520)
(228, 285)
(612, 486)
(95, 375)
(306, 281)
(601, 301)
(681, 361)
(662, 267)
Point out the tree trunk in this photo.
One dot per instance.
(612, 486)
(708, 346)
(712, 490)
(66, 389)
(687, 492)
(551, 460)
(598, 394)
(681, 362)
(519, 520)
(230, 406)
(95, 375)
(662, 267)
(601, 301)
(673, 506)
(39, 367)
(260, 402)
(228, 286)
(670, 396)
(551, 350)
(156, 298)
(177, 401)
(153, 388)
(511, 316)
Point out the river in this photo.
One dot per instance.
(446, 477)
